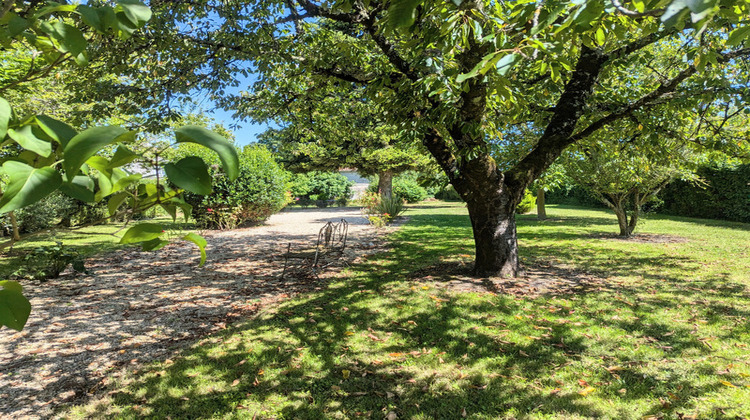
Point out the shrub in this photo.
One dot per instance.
(45, 213)
(390, 207)
(381, 211)
(47, 262)
(724, 195)
(321, 188)
(527, 202)
(409, 190)
(259, 191)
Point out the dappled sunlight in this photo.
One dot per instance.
(644, 336)
(136, 306)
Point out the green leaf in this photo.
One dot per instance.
(200, 242)
(101, 18)
(57, 130)
(401, 13)
(81, 188)
(142, 233)
(506, 63)
(85, 144)
(27, 185)
(5, 114)
(124, 182)
(735, 38)
(122, 156)
(190, 174)
(14, 307)
(71, 40)
(136, 12)
(226, 151)
(700, 9)
(100, 163)
(186, 208)
(105, 187)
(171, 209)
(16, 25)
(675, 12)
(600, 37)
(26, 138)
(116, 201)
(90, 16)
(154, 244)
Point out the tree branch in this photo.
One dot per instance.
(653, 97)
(439, 149)
(568, 111)
(632, 13)
(315, 10)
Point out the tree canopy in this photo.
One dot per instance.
(457, 76)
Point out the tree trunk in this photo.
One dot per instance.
(635, 214)
(622, 218)
(541, 211)
(493, 220)
(385, 184)
(14, 226)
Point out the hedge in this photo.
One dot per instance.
(725, 195)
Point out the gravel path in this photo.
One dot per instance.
(134, 306)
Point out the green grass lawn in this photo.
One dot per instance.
(664, 333)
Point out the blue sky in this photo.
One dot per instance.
(245, 133)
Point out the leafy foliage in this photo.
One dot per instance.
(320, 188)
(258, 191)
(625, 174)
(408, 189)
(527, 203)
(458, 77)
(720, 193)
(43, 155)
(47, 262)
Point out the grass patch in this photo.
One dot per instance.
(666, 335)
(86, 241)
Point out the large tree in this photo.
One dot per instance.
(337, 129)
(457, 75)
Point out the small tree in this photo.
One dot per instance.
(626, 174)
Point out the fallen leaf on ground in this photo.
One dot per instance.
(587, 391)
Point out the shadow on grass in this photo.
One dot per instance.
(296, 356)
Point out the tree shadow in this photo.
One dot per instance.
(296, 356)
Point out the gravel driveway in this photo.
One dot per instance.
(134, 306)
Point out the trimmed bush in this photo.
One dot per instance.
(258, 192)
(409, 190)
(725, 195)
(321, 188)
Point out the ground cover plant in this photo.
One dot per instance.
(85, 242)
(660, 329)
